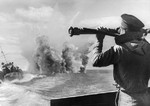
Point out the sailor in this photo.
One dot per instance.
(12, 68)
(130, 58)
(2, 64)
(5, 68)
(18, 69)
(1, 73)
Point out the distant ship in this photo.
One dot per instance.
(10, 72)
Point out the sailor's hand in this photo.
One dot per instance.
(148, 30)
(100, 36)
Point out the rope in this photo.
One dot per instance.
(117, 94)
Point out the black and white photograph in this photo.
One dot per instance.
(74, 52)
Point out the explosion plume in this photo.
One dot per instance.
(76, 58)
(71, 58)
(47, 59)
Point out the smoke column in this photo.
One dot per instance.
(85, 50)
(71, 58)
(47, 60)
(75, 58)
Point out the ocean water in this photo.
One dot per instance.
(39, 90)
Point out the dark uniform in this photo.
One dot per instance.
(131, 61)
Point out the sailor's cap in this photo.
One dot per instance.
(132, 21)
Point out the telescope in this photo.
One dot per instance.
(110, 32)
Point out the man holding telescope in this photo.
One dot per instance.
(130, 58)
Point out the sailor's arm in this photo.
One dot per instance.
(109, 57)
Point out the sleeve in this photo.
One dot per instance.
(109, 57)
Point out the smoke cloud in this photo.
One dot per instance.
(48, 60)
(71, 58)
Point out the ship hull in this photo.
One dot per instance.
(102, 99)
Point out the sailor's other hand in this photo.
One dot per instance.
(100, 37)
(145, 32)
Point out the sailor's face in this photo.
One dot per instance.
(123, 27)
(122, 30)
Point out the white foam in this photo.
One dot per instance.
(14, 95)
(26, 78)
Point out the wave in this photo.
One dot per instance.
(15, 95)
(34, 90)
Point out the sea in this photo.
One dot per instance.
(35, 90)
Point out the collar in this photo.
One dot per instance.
(128, 36)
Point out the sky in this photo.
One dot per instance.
(21, 21)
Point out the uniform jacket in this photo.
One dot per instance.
(130, 58)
